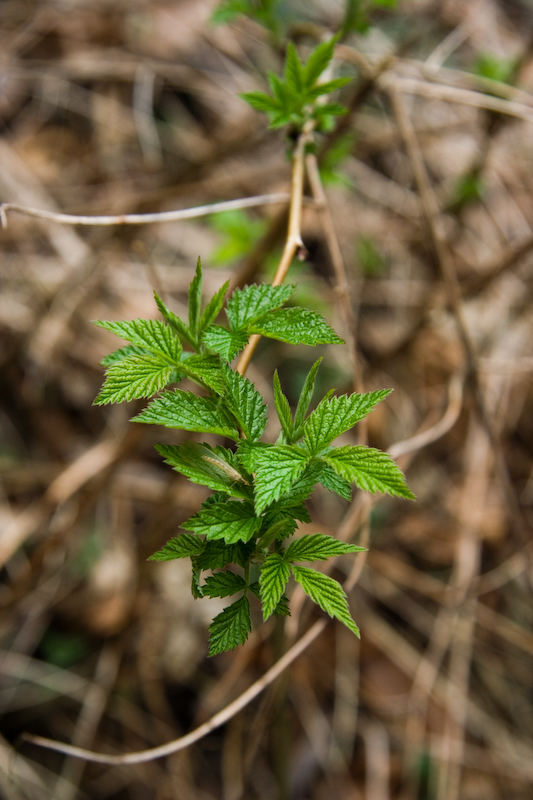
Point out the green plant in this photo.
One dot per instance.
(243, 536)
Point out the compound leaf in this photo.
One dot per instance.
(318, 547)
(305, 398)
(205, 370)
(205, 465)
(187, 411)
(275, 573)
(296, 326)
(224, 342)
(326, 593)
(252, 302)
(175, 322)
(124, 352)
(245, 403)
(318, 61)
(230, 520)
(223, 584)
(212, 309)
(372, 470)
(277, 468)
(335, 415)
(181, 546)
(151, 334)
(135, 377)
(231, 627)
(195, 301)
(283, 408)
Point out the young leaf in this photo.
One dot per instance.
(326, 593)
(218, 554)
(335, 415)
(212, 309)
(275, 573)
(195, 301)
(231, 627)
(261, 101)
(282, 609)
(181, 546)
(372, 470)
(135, 377)
(277, 468)
(226, 343)
(294, 77)
(223, 584)
(304, 400)
(124, 352)
(252, 302)
(205, 370)
(318, 547)
(245, 403)
(187, 411)
(327, 88)
(333, 482)
(205, 465)
(152, 334)
(318, 61)
(283, 408)
(229, 520)
(296, 326)
(175, 322)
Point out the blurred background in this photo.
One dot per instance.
(111, 107)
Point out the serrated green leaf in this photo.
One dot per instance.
(277, 468)
(218, 554)
(252, 302)
(245, 403)
(294, 77)
(333, 482)
(195, 301)
(204, 369)
(175, 322)
(230, 628)
(335, 415)
(327, 88)
(281, 92)
(326, 593)
(296, 326)
(226, 343)
(318, 61)
(151, 334)
(318, 547)
(205, 465)
(261, 101)
(371, 469)
(135, 377)
(282, 609)
(223, 584)
(230, 520)
(283, 408)
(248, 452)
(187, 411)
(181, 546)
(304, 400)
(123, 352)
(273, 578)
(213, 308)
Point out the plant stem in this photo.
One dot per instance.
(293, 242)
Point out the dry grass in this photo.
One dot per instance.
(115, 108)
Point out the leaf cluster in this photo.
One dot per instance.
(297, 97)
(242, 541)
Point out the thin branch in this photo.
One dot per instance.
(198, 733)
(142, 219)
(293, 242)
